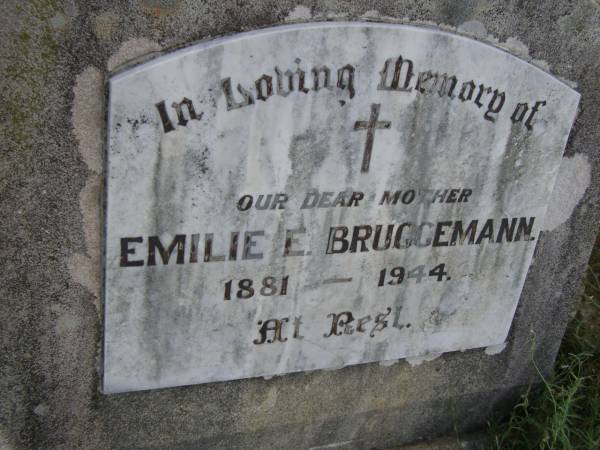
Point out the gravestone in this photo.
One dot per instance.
(273, 226)
(318, 195)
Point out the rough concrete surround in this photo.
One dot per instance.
(55, 59)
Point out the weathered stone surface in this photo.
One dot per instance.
(319, 195)
(51, 314)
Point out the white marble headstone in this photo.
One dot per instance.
(320, 195)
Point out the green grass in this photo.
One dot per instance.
(565, 413)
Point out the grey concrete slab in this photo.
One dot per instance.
(55, 60)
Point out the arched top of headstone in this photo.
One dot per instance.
(419, 36)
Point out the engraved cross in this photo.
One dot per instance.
(371, 126)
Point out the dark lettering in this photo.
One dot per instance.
(341, 320)
(380, 322)
(377, 237)
(267, 81)
(525, 227)
(464, 96)
(297, 323)
(126, 251)
(452, 195)
(395, 83)
(164, 117)
(245, 202)
(388, 197)
(459, 235)
(280, 201)
(291, 240)
(519, 112)
(233, 246)
(340, 200)
(447, 85)
(208, 245)
(398, 238)
(317, 71)
(337, 234)
(274, 325)
(493, 107)
(194, 248)
(355, 198)
(300, 75)
(349, 82)
(424, 79)
(310, 200)
(506, 231)
(325, 202)
(464, 195)
(360, 234)
(191, 111)
(419, 235)
(231, 102)
(154, 244)
(408, 197)
(439, 232)
(533, 111)
(250, 243)
(361, 323)
(262, 205)
(439, 195)
(482, 89)
(487, 232)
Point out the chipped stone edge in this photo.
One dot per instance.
(418, 360)
(495, 349)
